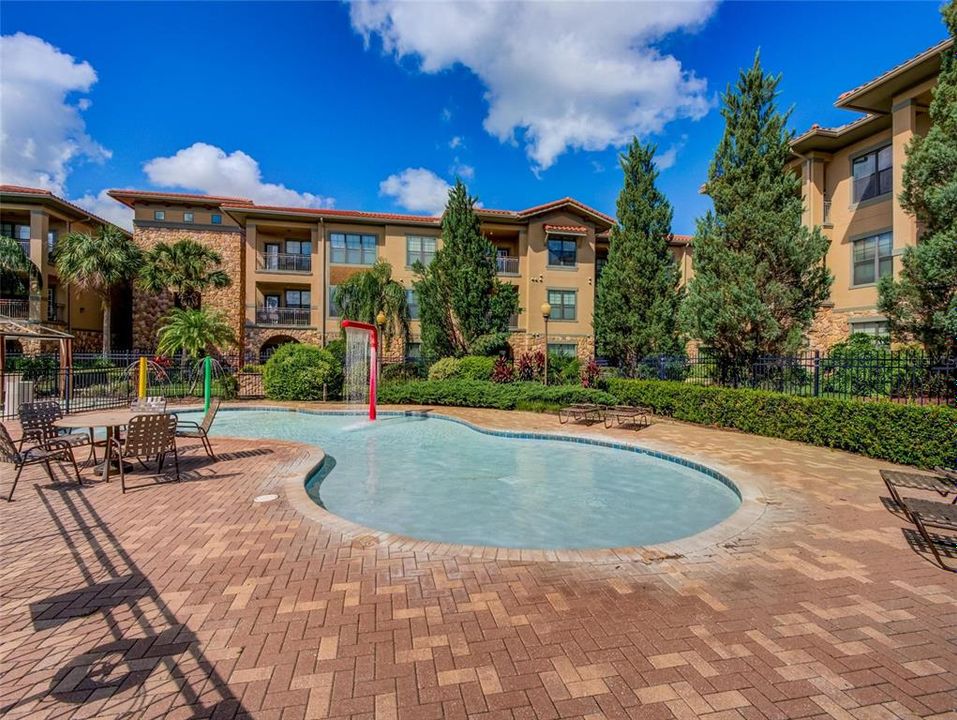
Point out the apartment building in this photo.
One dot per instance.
(851, 179)
(36, 218)
(286, 263)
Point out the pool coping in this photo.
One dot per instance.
(746, 484)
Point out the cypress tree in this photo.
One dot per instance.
(759, 274)
(922, 303)
(637, 301)
(460, 297)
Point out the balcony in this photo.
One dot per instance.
(506, 265)
(290, 316)
(283, 262)
(56, 312)
(16, 309)
(827, 212)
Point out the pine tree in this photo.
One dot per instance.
(637, 302)
(759, 274)
(922, 303)
(460, 297)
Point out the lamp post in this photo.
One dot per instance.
(546, 313)
(380, 321)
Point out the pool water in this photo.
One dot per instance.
(441, 480)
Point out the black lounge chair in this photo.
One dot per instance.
(894, 479)
(38, 423)
(929, 514)
(19, 458)
(621, 415)
(581, 412)
(200, 430)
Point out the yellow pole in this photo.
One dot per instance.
(143, 378)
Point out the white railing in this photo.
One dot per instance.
(506, 265)
(283, 262)
(16, 309)
(283, 316)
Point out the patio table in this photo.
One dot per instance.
(112, 420)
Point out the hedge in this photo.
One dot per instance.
(484, 394)
(299, 372)
(470, 367)
(909, 434)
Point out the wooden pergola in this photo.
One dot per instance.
(16, 329)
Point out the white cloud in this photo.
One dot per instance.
(559, 75)
(209, 169)
(417, 190)
(466, 172)
(102, 205)
(42, 133)
(455, 142)
(666, 159)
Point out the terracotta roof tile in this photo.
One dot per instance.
(332, 212)
(566, 228)
(919, 56)
(132, 194)
(42, 192)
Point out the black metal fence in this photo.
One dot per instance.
(898, 376)
(97, 382)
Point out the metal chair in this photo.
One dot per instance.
(148, 436)
(152, 404)
(38, 422)
(200, 430)
(54, 450)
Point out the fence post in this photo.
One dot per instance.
(817, 373)
(661, 367)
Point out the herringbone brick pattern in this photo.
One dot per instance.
(190, 600)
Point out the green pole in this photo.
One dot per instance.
(207, 382)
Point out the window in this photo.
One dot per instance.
(600, 263)
(187, 217)
(298, 298)
(413, 350)
(353, 249)
(873, 258)
(413, 303)
(216, 219)
(334, 309)
(271, 301)
(872, 174)
(419, 248)
(51, 241)
(562, 251)
(563, 349)
(874, 328)
(159, 214)
(563, 304)
(271, 256)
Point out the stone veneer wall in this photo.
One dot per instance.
(257, 335)
(831, 327)
(522, 342)
(148, 310)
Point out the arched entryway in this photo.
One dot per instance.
(270, 346)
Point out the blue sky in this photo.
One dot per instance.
(377, 107)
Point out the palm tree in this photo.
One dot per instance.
(366, 293)
(185, 268)
(98, 263)
(14, 262)
(194, 332)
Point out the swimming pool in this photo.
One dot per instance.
(441, 480)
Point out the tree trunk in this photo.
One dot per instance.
(107, 321)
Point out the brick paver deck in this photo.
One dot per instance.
(192, 600)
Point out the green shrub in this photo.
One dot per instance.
(865, 366)
(471, 367)
(479, 393)
(908, 434)
(337, 348)
(253, 368)
(492, 345)
(402, 371)
(298, 372)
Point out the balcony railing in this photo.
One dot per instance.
(506, 265)
(283, 262)
(16, 309)
(283, 316)
(56, 312)
(827, 212)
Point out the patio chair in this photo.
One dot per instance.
(895, 479)
(37, 421)
(150, 435)
(949, 473)
(626, 414)
(19, 458)
(200, 430)
(152, 404)
(930, 514)
(581, 412)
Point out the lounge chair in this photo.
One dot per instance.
(581, 412)
(19, 458)
(150, 435)
(894, 479)
(927, 513)
(152, 404)
(200, 430)
(627, 415)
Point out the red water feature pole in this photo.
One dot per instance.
(373, 360)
